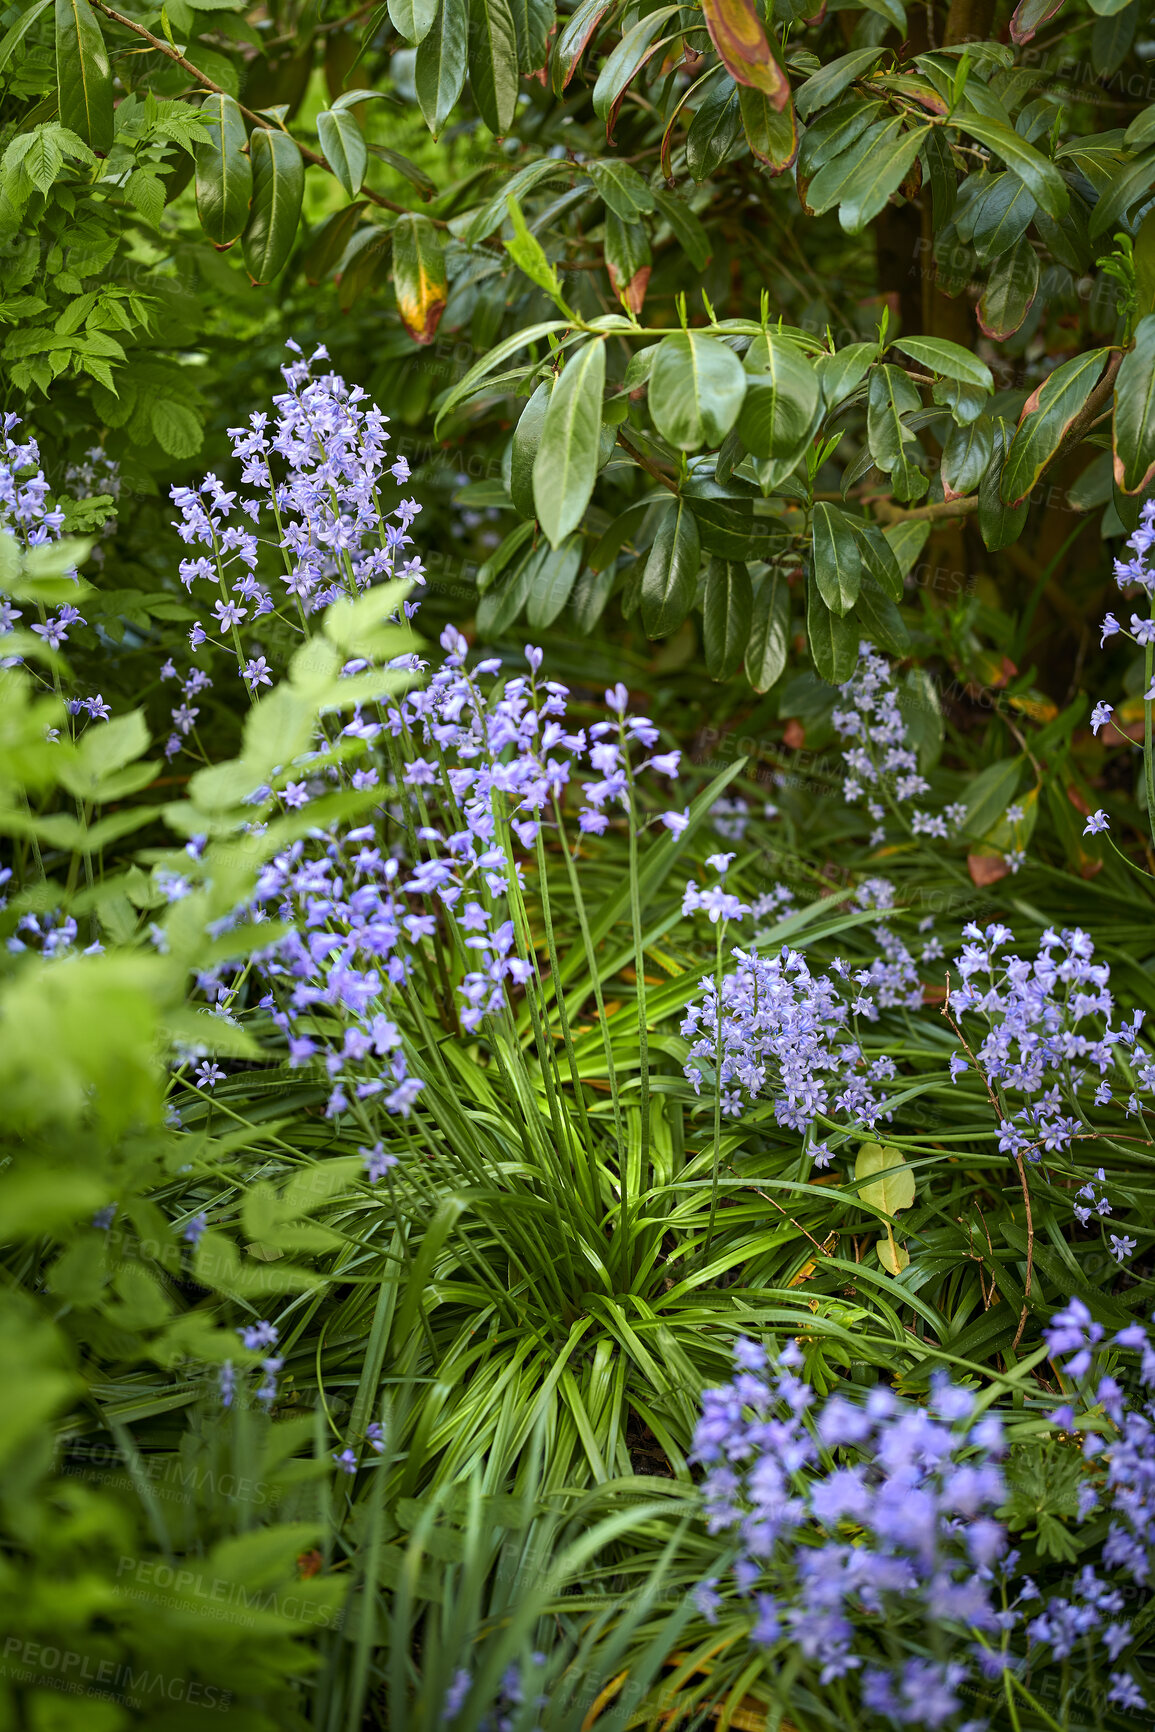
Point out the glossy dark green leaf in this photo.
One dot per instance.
(412, 19)
(1047, 414)
(832, 79)
(1039, 175)
(224, 175)
(843, 372)
(715, 130)
(278, 188)
(999, 524)
(833, 133)
(567, 457)
(1112, 39)
(879, 173)
(493, 68)
(1127, 185)
(943, 177)
(627, 59)
(696, 389)
(727, 612)
(938, 355)
(691, 234)
(83, 75)
(591, 593)
(837, 563)
(671, 571)
(880, 620)
(879, 562)
(553, 581)
(628, 260)
(1010, 292)
(328, 243)
(526, 439)
(892, 446)
(833, 641)
(771, 132)
(573, 39)
(442, 58)
(622, 188)
(1134, 426)
(532, 20)
(781, 400)
(1000, 216)
(769, 642)
(1029, 15)
(343, 144)
(965, 457)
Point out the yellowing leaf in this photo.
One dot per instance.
(894, 1258)
(738, 34)
(892, 1192)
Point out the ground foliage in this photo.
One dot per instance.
(714, 343)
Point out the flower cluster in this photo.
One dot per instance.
(26, 512)
(314, 474)
(776, 1029)
(1132, 573)
(1049, 1042)
(255, 1337)
(860, 1521)
(883, 768)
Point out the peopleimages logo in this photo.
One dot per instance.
(28, 1662)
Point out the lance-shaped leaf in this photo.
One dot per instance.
(1029, 15)
(1047, 414)
(879, 561)
(412, 19)
(833, 641)
(532, 20)
(692, 237)
(782, 397)
(344, 146)
(627, 60)
(892, 446)
(528, 254)
(278, 188)
(442, 57)
(696, 389)
(567, 458)
(622, 189)
(880, 172)
(573, 40)
(999, 524)
(224, 174)
(879, 619)
(493, 70)
(1134, 431)
(727, 610)
(628, 261)
(837, 563)
(715, 130)
(526, 439)
(1038, 175)
(671, 572)
(419, 279)
(965, 457)
(1127, 185)
(1010, 292)
(326, 247)
(771, 131)
(769, 631)
(83, 75)
(949, 359)
(843, 372)
(738, 34)
(553, 582)
(833, 78)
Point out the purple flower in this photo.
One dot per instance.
(1096, 823)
